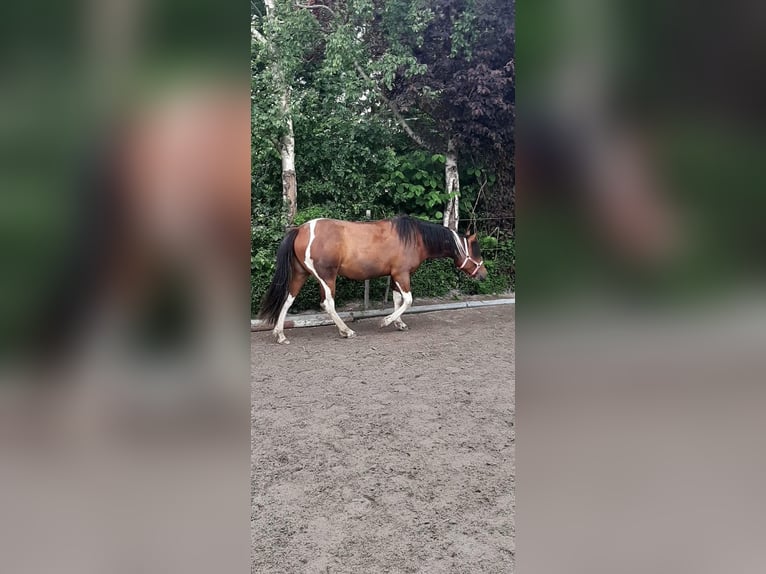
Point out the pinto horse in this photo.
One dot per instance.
(326, 248)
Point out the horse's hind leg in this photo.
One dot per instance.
(297, 280)
(328, 304)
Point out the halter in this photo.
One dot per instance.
(468, 258)
(478, 264)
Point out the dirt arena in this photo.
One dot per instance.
(389, 452)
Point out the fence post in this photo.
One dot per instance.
(367, 215)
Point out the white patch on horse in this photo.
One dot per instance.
(279, 329)
(406, 302)
(329, 303)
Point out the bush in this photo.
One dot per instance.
(435, 278)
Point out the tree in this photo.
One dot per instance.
(281, 36)
(466, 88)
(482, 97)
(442, 68)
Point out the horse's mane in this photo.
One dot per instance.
(437, 239)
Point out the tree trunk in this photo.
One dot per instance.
(287, 141)
(452, 179)
(287, 151)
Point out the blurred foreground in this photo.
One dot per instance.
(124, 395)
(642, 320)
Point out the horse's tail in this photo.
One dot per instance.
(278, 290)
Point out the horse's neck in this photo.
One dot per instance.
(445, 253)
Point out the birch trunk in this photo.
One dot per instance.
(287, 141)
(452, 179)
(287, 151)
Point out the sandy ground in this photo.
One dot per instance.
(390, 452)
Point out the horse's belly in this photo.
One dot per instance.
(361, 271)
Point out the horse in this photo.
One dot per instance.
(326, 248)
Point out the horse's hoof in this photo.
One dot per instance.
(281, 339)
(283, 342)
(401, 326)
(349, 334)
(384, 323)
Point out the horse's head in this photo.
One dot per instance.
(469, 258)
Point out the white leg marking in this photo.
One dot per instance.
(329, 302)
(399, 324)
(406, 302)
(279, 329)
(329, 306)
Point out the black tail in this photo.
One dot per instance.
(277, 294)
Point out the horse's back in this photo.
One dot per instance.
(358, 250)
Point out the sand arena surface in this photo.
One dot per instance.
(389, 452)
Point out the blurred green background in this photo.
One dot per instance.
(687, 80)
(68, 71)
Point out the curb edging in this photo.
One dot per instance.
(321, 319)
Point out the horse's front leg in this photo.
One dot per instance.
(401, 303)
(398, 323)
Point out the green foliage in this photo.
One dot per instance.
(414, 184)
(351, 156)
(434, 278)
(313, 212)
(464, 32)
(500, 261)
